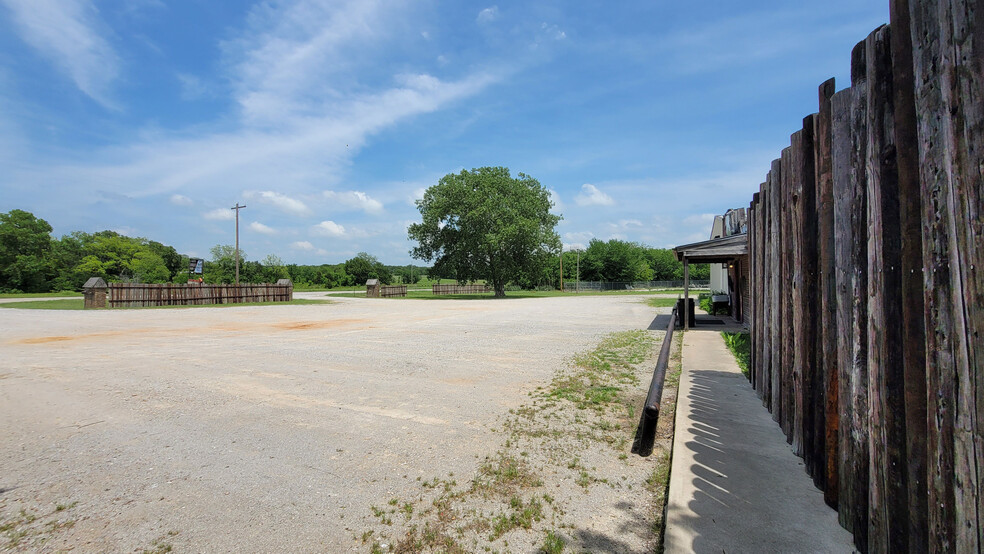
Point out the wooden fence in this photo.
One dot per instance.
(392, 290)
(460, 289)
(867, 320)
(132, 295)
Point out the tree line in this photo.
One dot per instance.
(31, 260)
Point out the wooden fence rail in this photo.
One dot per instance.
(387, 291)
(132, 295)
(460, 289)
(867, 322)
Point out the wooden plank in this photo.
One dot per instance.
(786, 306)
(857, 332)
(827, 337)
(963, 79)
(888, 493)
(810, 394)
(775, 285)
(948, 92)
(765, 291)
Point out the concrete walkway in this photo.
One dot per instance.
(736, 486)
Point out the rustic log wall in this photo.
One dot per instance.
(867, 308)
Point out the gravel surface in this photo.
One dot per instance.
(270, 428)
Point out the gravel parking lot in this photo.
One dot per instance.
(269, 428)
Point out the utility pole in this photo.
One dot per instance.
(577, 282)
(561, 268)
(237, 208)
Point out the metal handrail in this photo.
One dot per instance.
(645, 437)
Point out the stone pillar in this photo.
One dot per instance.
(94, 290)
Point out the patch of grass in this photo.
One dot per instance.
(661, 302)
(740, 346)
(552, 544)
(40, 294)
(67, 304)
(77, 304)
(505, 475)
(520, 515)
(426, 294)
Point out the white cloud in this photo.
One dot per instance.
(488, 15)
(354, 200)
(262, 229)
(220, 214)
(328, 228)
(558, 205)
(552, 31)
(280, 201)
(66, 32)
(591, 196)
(181, 200)
(302, 245)
(700, 219)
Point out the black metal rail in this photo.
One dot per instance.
(645, 436)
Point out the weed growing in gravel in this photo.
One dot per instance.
(590, 405)
(28, 528)
(552, 544)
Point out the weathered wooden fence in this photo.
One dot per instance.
(132, 295)
(386, 291)
(460, 289)
(868, 307)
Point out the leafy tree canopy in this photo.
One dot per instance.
(485, 224)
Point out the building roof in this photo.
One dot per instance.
(714, 251)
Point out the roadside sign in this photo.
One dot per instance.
(196, 265)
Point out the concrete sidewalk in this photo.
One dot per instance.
(735, 485)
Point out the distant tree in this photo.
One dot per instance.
(485, 224)
(365, 266)
(273, 269)
(148, 267)
(25, 245)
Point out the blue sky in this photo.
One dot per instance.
(328, 118)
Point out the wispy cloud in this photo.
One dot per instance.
(328, 228)
(558, 204)
(354, 200)
(220, 214)
(488, 15)
(181, 200)
(67, 34)
(262, 229)
(591, 196)
(302, 245)
(280, 201)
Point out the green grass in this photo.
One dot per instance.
(426, 294)
(661, 302)
(740, 346)
(39, 294)
(77, 304)
(69, 304)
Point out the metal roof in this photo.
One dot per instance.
(714, 251)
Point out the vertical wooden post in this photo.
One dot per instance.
(911, 260)
(888, 492)
(949, 93)
(827, 336)
(789, 331)
(761, 292)
(809, 395)
(237, 207)
(776, 279)
(686, 294)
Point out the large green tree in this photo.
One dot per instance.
(486, 224)
(25, 245)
